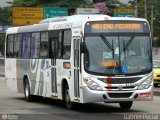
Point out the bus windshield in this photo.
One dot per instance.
(117, 55)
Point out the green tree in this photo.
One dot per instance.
(108, 1)
(155, 18)
(5, 18)
(5, 15)
(2, 41)
(48, 3)
(70, 4)
(25, 3)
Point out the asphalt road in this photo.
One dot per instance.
(14, 107)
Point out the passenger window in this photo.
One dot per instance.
(54, 47)
(17, 45)
(35, 45)
(44, 52)
(10, 43)
(66, 44)
(53, 44)
(26, 45)
(60, 44)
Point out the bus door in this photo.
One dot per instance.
(53, 56)
(76, 66)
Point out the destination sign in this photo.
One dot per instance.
(116, 26)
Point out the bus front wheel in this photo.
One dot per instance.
(126, 105)
(69, 104)
(28, 96)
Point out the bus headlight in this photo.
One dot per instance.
(146, 84)
(92, 85)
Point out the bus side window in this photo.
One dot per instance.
(35, 45)
(10, 47)
(53, 47)
(53, 44)
(66, 44)
(44, 49)
(17, 45)
(59, 54)
(26, 45)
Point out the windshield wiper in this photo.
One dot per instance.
(106, 42)
(128, 43)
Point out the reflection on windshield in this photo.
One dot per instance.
(118, 54)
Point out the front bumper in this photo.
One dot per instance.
(117, 96)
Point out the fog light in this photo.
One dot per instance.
(104, 96)
(136, 95)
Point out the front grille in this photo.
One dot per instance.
(125, 87)
(120, 95)
(120, 80)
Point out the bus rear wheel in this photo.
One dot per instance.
(28, 96)
(69, 104)
(126, 105)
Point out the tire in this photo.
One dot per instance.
(28, 96)
(126, 105)
(155, 85)
(68, 103)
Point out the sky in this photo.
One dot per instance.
(3, 3)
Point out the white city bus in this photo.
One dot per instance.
(81, 58)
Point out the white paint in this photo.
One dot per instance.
(10, 74)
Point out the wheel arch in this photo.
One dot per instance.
(24, 79)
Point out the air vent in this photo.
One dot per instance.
(117, 88)
(120, 95)
(120, 80)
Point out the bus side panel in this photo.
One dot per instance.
(10, 74)
(37, 72)
(22, 70)
(45, 78)
(63, 74)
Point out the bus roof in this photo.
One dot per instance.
(75, 20)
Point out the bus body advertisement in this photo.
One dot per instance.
(81, 58)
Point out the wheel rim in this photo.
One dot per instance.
(27, 90)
